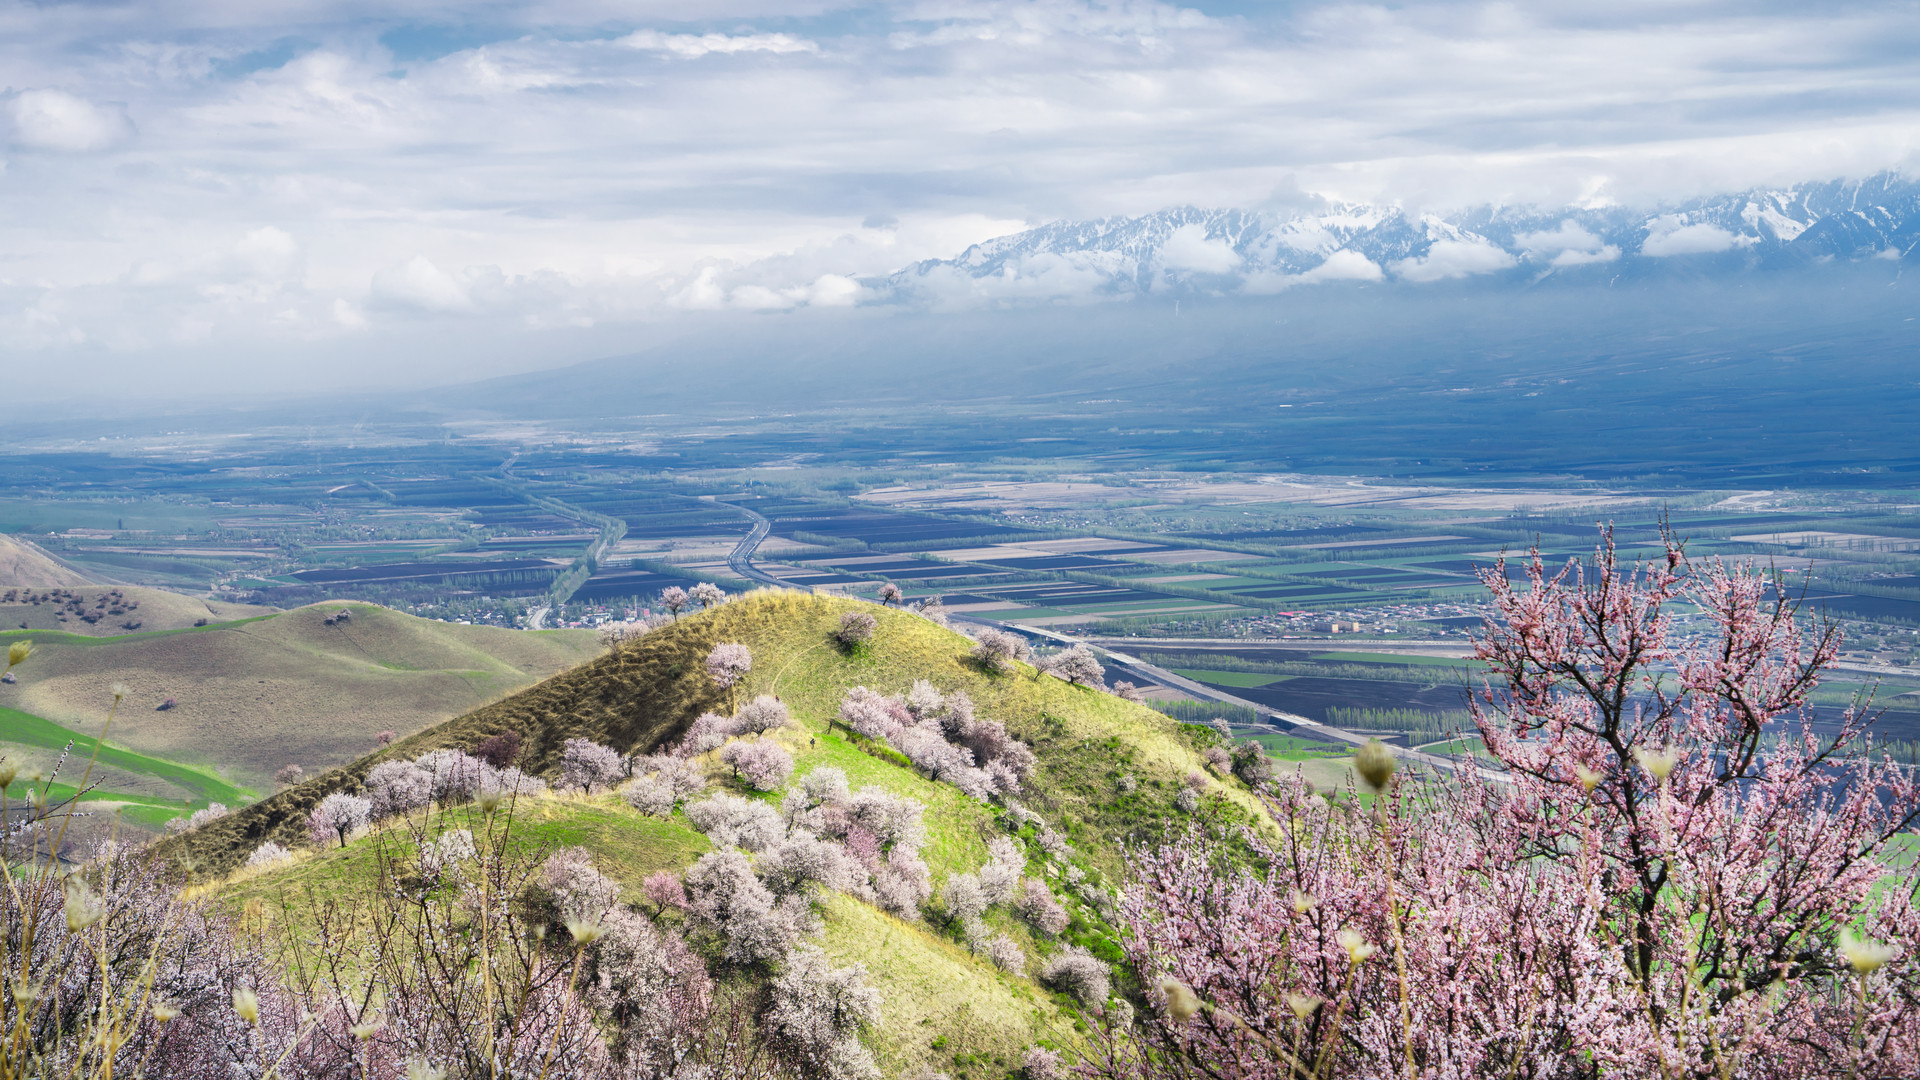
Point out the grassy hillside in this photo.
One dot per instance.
(252, 695)
(945, 1007)
(643, 695)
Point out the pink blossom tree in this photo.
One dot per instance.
(675, 600)
(996, 650)
(1079, 666)
(890, 593)
(761, 763)
(586, 764)
(708, 595)
(727, 664)
(1673, 874)
(856, 629)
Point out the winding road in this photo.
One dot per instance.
(740, 560)
(1283, 721)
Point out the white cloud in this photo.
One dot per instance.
(1568, 245)
(1187, 248)
(1342, 265)
(347, 316)
(57, 120)
(268, 252)
(1454, 258)
(1606, 253)
(422, 286)
(695, 45)
(1668, 235)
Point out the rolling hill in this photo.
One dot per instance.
(945, 1006)
(253, 694)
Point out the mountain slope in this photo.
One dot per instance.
(24, 564)
(944, 1006)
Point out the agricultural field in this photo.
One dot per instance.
(583, 527)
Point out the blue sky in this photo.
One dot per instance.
(241, 192)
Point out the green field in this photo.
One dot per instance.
(1289, 748)
(27, 729)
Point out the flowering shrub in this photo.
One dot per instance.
(1041, 1064)
(1677, 876)
(1077, 665)
(650, 796)
(396, 787)
(731, 821)
(268, 854)
(728, 663)
(817, 1015)
(727, 900)
(963, 898)
(996, 650)
(762, 763)
(1034, 902)
(586, 765)
(111, 972)
(940, 735)
(337, 815)
(707, 595)
(762, 714)
(856, 629)
(1075, 971)
(663, 889)
(580, 892)
(675, 600)
(210, 812)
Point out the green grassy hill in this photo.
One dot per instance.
(945, 1007)
(253, 694)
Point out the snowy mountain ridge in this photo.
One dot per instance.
(1227, 251)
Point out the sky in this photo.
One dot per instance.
(270, 195)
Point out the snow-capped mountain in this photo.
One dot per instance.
(1241, 251)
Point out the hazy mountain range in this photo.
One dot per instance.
(1251, 252)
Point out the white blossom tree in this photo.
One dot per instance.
(339, 814)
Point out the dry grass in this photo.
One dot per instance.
(24, 564)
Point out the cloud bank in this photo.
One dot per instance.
(194, 187)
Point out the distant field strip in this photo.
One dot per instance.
(1229, 678)
(1396, 658)
(27, 729)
